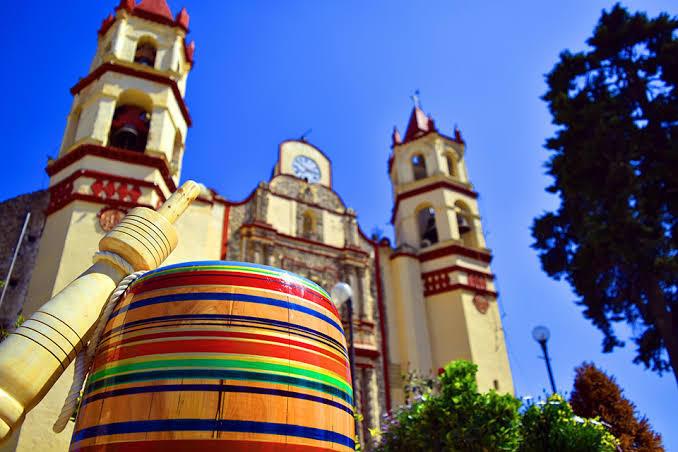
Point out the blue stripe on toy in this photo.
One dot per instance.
(220, 425)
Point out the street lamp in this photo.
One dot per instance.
(342, 293)
(541, 334)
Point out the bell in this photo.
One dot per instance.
(145, 54)
(463, 224)
(125, 137)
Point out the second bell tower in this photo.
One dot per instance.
(444, 302)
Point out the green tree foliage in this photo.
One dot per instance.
(597, 395)
(614, 159)
(552, 426)
(452, 416)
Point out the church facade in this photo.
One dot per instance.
(419, 303)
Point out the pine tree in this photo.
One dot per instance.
(614, 156)
(596, 394)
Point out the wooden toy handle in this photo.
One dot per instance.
(34, 356)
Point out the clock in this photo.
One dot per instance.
(306, 168)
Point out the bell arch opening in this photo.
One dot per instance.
(418, 167)
(131, 121)
(428, 230)
(145, 51)
(467, 233)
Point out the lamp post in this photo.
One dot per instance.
(342, 293)
(541, 334)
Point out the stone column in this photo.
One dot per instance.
(269, 258)
(371, 403)
(358, 401)
(257, 252)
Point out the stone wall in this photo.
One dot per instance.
(12, 215)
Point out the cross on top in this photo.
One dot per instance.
(415, 99)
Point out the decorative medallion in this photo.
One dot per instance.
(481, 303)
(109, 217)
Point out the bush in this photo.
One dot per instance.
(449, 414)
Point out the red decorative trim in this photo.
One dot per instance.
(93, 199)
(104, 188)
(111, 153)
(427, 188)
(126, 70)
(382, 328)
(224, 232)
(461, 286)
(477, 281)
(438, 281)
(366, 352)
(147, 15)
(483, 256)
(402, 253)
(459, 268)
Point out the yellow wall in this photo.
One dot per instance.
(412, 330)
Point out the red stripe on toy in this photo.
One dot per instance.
(185, 333)
(234, 279)
(223, 346)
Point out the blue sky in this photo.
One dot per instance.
(270, 70)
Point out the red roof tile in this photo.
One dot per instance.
(157, 7)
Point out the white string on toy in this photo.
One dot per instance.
(86, 355)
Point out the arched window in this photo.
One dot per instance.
(428, 232)
(308, 225)
(418, 166)
(465, 224)
(129, 128)
(451, 165)
(72, 129)
(145, 52)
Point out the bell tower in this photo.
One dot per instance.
(444, 300)
(124, 138)
(122, 148)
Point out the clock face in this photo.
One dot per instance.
(306, 168)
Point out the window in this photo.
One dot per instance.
(465, 224)
(145, 53)
(308, 225)
(428, 232)
(418, 166)
(451, 165)
(129, 128)
(72, 129)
